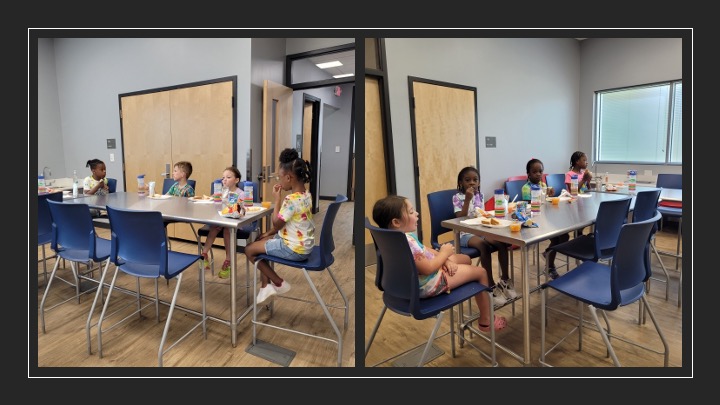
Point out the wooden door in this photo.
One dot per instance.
(376, 185)
(276, 131)
(445, 138)
(146, 137)
(201, 128)
(193, 123)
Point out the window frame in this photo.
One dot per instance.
(669, 141)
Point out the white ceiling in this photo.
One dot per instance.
(347, 59)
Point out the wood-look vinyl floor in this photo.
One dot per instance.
(398, 333)
(136, 342)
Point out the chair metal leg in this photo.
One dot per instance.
(430, 341)
(375, 329)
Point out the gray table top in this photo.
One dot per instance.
(552, 221)
(173, 208)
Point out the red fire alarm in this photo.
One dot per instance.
(338, 91)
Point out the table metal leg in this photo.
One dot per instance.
(525, 304)
(233, 285)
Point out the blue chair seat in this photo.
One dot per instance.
(320, 259)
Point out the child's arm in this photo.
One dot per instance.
(469, 195)
(427, 266)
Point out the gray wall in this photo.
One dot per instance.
(607, 63)
(79, 80)
(534, 94)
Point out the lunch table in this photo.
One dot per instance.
(553, 220)
(182, 209)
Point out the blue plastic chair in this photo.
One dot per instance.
(112, 185)
(139, 249)
(513, 188)
(608, 287)
(645, 208)
(556, 181)
(601, 243)
(321, 258)
(397, 277)
(441, 209)
(45, 226)
(73, 239)
(666, 180)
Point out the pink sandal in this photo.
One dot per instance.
(499, 324)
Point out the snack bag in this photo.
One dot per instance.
(230, 206)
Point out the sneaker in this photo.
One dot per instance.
(552, 272)
(498, 297)
(225, 271)
(265, 293)
(506, 286)
(205, 261)
(282, 288)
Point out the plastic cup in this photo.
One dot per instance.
(266, 204)
(515, 226)
(556, 200)
(151, 188)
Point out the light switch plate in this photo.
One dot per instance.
(337, 149)
(112, 157)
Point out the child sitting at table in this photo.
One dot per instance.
(578, 165)
(95, 183)
(181, 173)
(464, 202)
(292, 236)
(535, 169)
(438, 271)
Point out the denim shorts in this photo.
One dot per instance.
(276, 247)
(464, 238)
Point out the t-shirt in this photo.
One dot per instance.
(184, 191)
(299, 230)
(582, 187)
(458, 201)
(526, 194)
(90, 182)
(431, 284)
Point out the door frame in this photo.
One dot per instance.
(314, 157)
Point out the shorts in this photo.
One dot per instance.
(465, 238)
(435, 286)
(276, 247)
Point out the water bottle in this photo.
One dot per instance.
(41, 181)
(75, 184)
(217, 187)
(248, 197)
(574, 185)
(535, 194)
(499, 203)
(141, 184)
(631, 180)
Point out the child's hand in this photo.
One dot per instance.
(469, 193)
(276, 190)
(587, 176)
(447, 248)
(450, 267)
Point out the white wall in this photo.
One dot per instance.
(534, 94)
(607, 63)
(92, 72)
(527, 90)
(50, 140)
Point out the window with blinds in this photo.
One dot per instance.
(641, 124)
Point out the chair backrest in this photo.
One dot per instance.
(441, 208)
(44, 218)
(611, 216)
(138, 241)
(629, 270)
(327, 242)
(168, 182)
(73, 231)
(397, 276)
(645, 205)
(522, 177)
(667, 180)
(378, 259)
(513, 188)
(112, 184)
(556, 181)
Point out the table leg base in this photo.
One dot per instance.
(270, 352)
